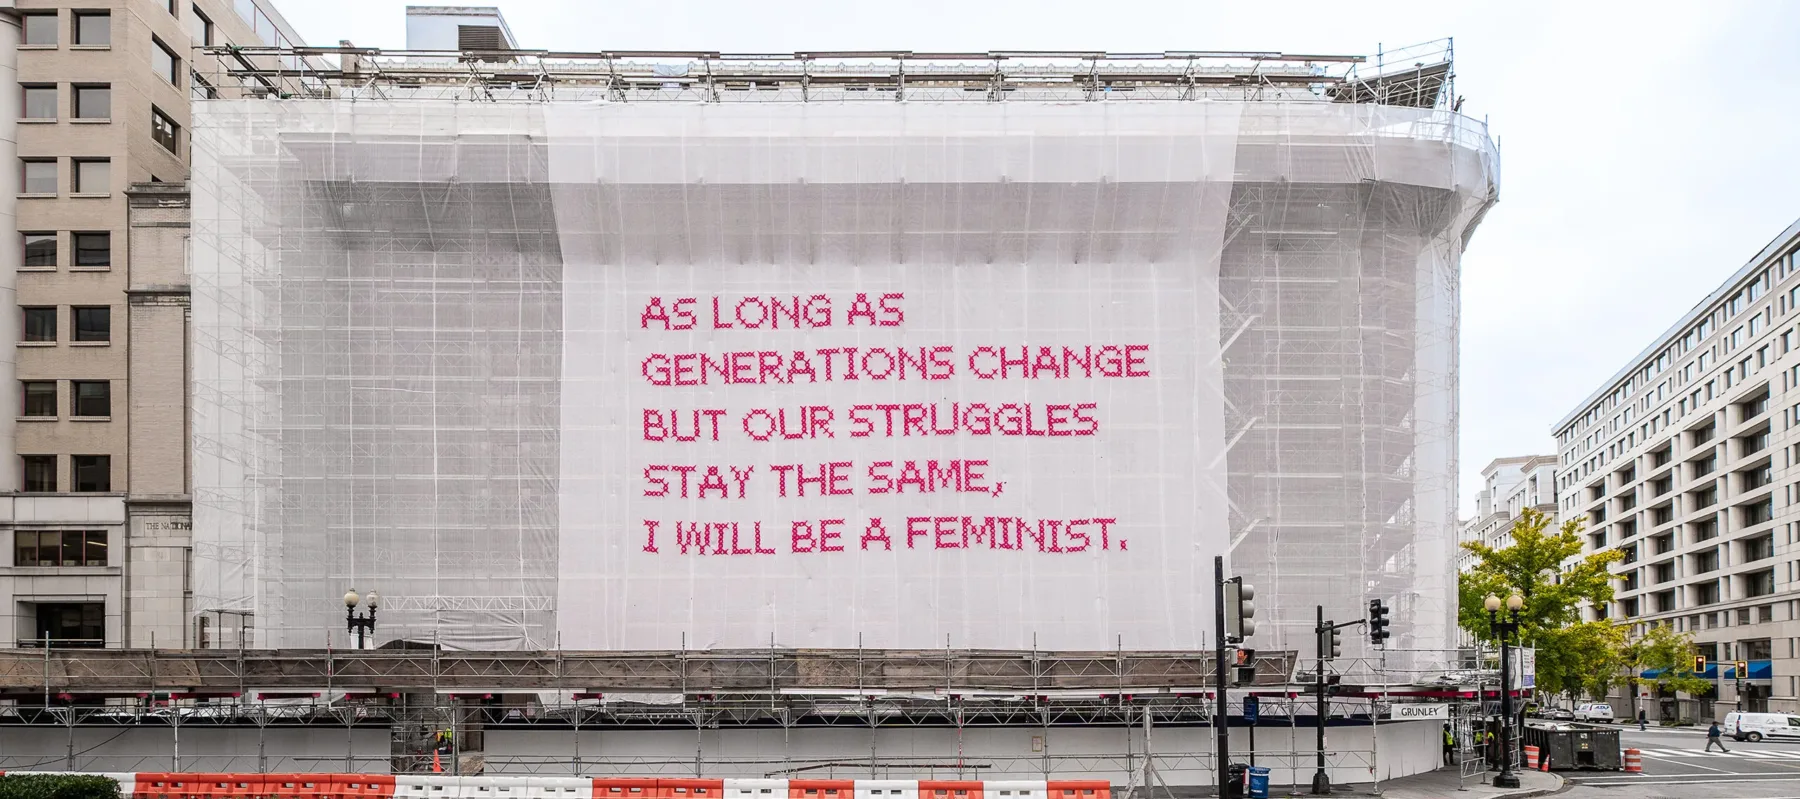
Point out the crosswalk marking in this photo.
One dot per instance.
(1744, 753)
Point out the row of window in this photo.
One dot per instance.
(86, 176)
(92, 324)
(91, 473)
(88, 248)
(92, 102)
(1779, 269)
(90, 399)
(59, 548)
(86, 29)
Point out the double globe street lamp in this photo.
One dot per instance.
(360, 628)
(1501, 628)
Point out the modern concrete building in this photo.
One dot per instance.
(1688, 461)
(1509, 486)
(97, 496)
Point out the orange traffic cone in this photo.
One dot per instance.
(1544, 764)
(436, 767)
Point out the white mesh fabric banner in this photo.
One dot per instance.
(890, 375)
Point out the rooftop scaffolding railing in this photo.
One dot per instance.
(1418, 76)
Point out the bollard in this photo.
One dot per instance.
(1634, 760)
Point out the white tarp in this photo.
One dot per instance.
(896, 376)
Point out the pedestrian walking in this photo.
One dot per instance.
(1449, 746)
(1641, 726)
(1712, 738)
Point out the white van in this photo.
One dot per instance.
(1757, 726)
(1594, 712)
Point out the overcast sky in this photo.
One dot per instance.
(1648, 149)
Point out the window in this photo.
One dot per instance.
(1760, 583)
(1706, 594)
(200, 27)
(1661, 456)
(1703, 435)
(40, 249)
(93, 248)
(163, 60)
(163, 130)
(1630, 607)
(1752, 479)
(40, 100)
(1665, 601)
(1662, 515)
(1753, 443)
(93, 28)
(1706, 561)
(90, 398)
(40, 472)
(1753, 407)
(1664, 543)
(40, 175)
(1759, 547)
(93, 102)
(1706, 530)
(92, 176)
(40, 324)
(40, 30)
(1664, 572)
(1705, 466)
(40, 398)
(92, 324)
(59, 548)
(93, 473)
(1757, 512)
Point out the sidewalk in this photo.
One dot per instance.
(1442, 784)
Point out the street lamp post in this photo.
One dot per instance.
(360, 628)
(1501, 629)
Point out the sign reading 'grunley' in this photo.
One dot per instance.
(1420, 712)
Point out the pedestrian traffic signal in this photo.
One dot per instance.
(1378, 622)
(1741, 670)
(1240, 611)
(1331, 641)
(1243, 672)
(1699, 664)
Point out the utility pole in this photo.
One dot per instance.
(1321, 781)
(1219, 729)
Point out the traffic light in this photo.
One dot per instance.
(1378, 622)
(1240, 611)
(1244, 671)
(1331, 641)
(1740, 670)
(1699, 664)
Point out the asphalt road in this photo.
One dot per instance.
(1675, 767)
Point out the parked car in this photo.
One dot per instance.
(1559, 714)
(1754, 727)
(1594, 712)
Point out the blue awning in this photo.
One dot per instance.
(1759, 670)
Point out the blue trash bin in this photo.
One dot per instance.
(1259, 782)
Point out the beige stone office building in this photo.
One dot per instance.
(1688, 462)
(95, 113)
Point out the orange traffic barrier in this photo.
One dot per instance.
(624, 788)
(1079, 789)
(1531, 757)
(949, 789)
(821, 789)
(690, 789)
(1634, 760)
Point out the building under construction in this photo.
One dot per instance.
(1156, 308)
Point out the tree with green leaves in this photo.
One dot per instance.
(1668, 656)
(1571, 655)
